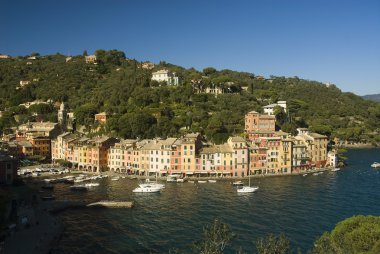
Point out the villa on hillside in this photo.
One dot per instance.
(269, 109)
(166, 76)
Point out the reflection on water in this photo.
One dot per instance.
(302, 207)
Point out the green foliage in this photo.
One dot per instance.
(358, 234)
(120, 87)
(272, 244)
(216, 237)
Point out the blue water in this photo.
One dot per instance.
(301, 207)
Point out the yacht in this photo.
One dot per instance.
(375, 165)
(147, 188)
(153, 184)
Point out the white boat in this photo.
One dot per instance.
(202, 181)
(249, 188)
(147, 188)
(304, 175)
(237, 183)
(191, 181)
(180, 180)
(211, 181)
(335, 169)
(91, 184)
(375, 165)
(115, 178)
(153, 184)
(172, 178)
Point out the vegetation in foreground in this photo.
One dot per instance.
(358, 234)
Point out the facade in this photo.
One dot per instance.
(90, 59)
(46, 129)
(101, 117)
(301, 160)
(316, 146)
(41, 146)
(8, 169)
(166, 76)
(269, 109)
(332, 159)
(257, 122)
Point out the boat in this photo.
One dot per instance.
(335, 169)
(115, 178)
(172, 178)
(91, 184)
(375, 165)
(78, 188)
(147, 189)
(249, 188)
(237, 183)
(191, 181)
(153, 184)
(211, 181)
(304, 175)
(180, 180)
(202, 181)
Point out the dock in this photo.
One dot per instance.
(112, 204)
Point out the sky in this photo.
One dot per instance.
(336, 41)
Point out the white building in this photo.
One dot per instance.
(165, 76)
(332, 159)
(269, 109)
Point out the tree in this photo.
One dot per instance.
(216, 237)
(272, 244)
(209, 71)
(358, 234)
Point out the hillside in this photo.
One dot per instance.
(372, 97)
(144, 108)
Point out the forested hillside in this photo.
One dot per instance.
(372, 97)
(143, 108)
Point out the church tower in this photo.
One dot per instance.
(62, 116)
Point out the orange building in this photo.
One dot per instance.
(101, 117)
(257, 122)
(41, 146)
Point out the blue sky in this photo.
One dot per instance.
(334, 41)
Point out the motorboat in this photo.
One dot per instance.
(115, 178)
(335, 169)
(147, 189)
(211, 181)
(46, 198)
(180, 180)
(247, 189)
(375, 165)
(304, 175)
(202, 181)
(237, 183)
(153, 184)
(172, 178)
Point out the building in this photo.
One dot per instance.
(300, 157)
(239, 156)
(258, 122)
(4, 56)
(101, 117)
(41, 146)
(46, 129)
(269, 109)
(117, 155)
(8, 169)
(90, 59)
(91, 154)
(316, 146)
(147, 65)
(165, 76)
(24, 83)
(332, 159)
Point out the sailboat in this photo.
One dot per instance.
(248, 189)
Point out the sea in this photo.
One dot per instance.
(301, 207)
